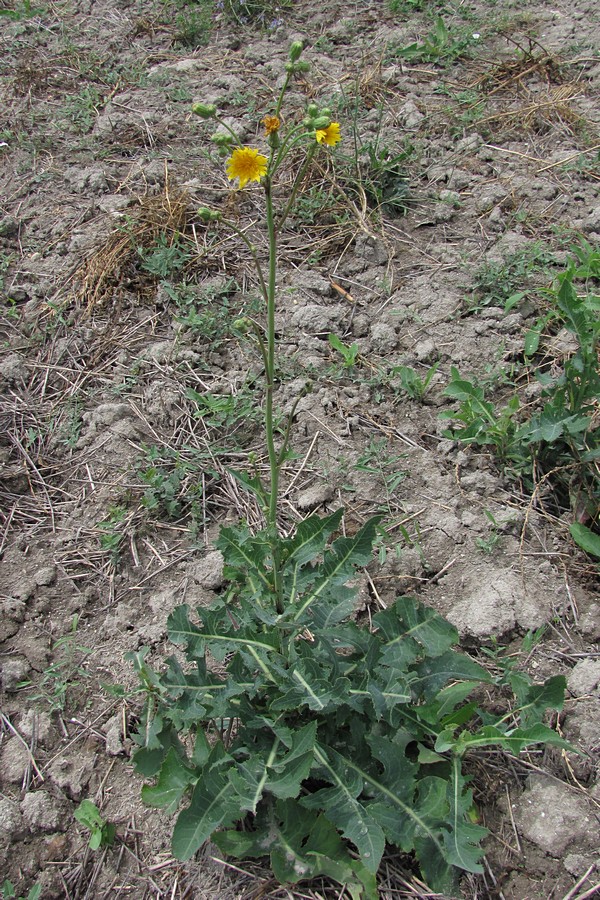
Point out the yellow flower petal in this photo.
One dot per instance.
(247, 164)
(330, 135)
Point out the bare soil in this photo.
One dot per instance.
(114, 474)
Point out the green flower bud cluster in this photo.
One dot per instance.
(223, 140)
(205, 110)
(317, 117)
(295, 64)
(208, 215)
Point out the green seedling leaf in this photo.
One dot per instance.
(102, 832)
(585, 538)
(349, 353)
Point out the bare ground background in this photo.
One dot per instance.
(126, 391)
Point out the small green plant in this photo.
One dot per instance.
(505, 283)
(560, 440)
(262, 13)
(171, 487)
(23, 11)
(376, 460)
(488, 544)
(384, 178)
(193, 24)
(407, 6)
(81, 110)
(481, 423)
(9, 892)
(112, 535)
(166, 257)
(440, 45)
(349, 353)
(102, 833)
(412, 383)
(64, 673)
(227, 412)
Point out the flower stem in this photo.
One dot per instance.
(274, 460)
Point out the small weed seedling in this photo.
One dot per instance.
(102, 833)
(9, 892)
(441, 45)
(112, 536)
(412, 383)
(349, 353)
(65, 673)
(376, 460)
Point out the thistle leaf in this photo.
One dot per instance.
(213, 803)
(173, 780)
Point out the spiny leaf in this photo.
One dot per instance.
(344, 809)
(213, 803)
(535, 699)
(310, 538)
(173, 780)
(340, 563)
(217, 632)
(463, 838)
(412, 630)
(434, 672)
(303, 844)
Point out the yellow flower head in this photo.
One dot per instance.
(247, 164)
(330, 135)
(271, 124)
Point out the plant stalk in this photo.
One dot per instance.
(274, 461)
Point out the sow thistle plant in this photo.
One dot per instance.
(282, 728)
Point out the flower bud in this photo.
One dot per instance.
(313, 110)
(302, 66)
(208, 215)
(205, 110)
(290, 68)
(321, 122)
(295, 50)
(326, 112)
(222, 140)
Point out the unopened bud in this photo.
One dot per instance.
(321, 122)
(222, 140)
(312, 109)
(302, 66)
(205, 110)
(326, 112)
(208, 215)
(295, 50)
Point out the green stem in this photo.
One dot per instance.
(274, 461)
